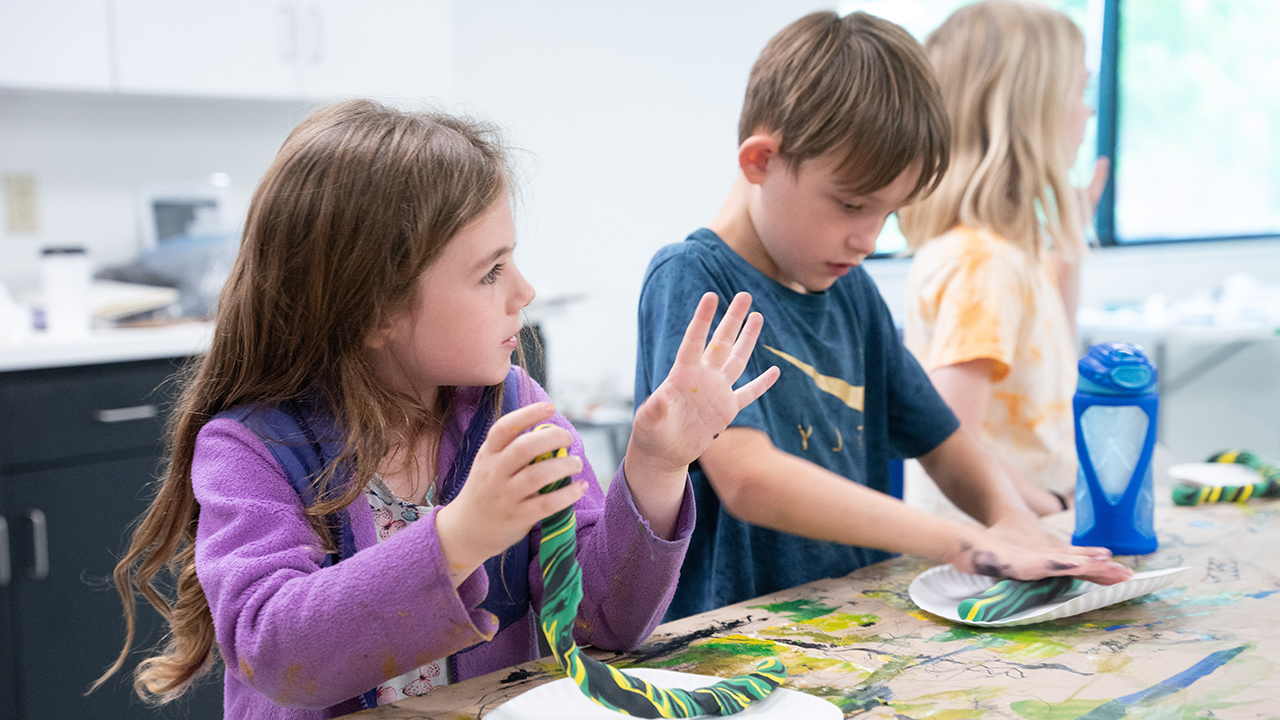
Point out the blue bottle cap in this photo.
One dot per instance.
(1116, 369)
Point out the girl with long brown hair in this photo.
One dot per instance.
(348, 512)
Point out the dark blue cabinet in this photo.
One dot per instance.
(80, 448)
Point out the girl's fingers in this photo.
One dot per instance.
(531, 480)
(553, 502)
(743, 348)
(722, 342)
(696, 333)
(512, 425)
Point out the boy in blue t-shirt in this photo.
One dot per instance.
(842, 125)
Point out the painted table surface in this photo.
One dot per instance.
(1206, 646)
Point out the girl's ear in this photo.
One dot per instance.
(379, 336)
(755, 155)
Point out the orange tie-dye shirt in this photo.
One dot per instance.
(972, 295)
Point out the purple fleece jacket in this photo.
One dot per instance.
(302, 642)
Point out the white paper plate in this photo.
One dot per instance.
(563, 700)
(1215, 474)
(941, 589)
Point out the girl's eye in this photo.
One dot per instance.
(492, 276)
(852, 207)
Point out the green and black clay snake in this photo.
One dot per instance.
(607, 686)
(1268, 485)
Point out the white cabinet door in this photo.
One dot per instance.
(396, 49)
(222, 48)
(54, 44)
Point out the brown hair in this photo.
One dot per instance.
(359, 201)
(1005, 70)
(858, 89)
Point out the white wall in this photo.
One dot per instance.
(630, 113)
(91, 154)
(626, 118)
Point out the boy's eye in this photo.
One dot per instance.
(492, 276)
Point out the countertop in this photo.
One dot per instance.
(107, 346)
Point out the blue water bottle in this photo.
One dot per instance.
(1115, 411)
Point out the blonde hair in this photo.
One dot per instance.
(1005, 69)
(359, 201)
(854, 88)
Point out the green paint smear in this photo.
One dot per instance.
(1065, 710)
(797, 610)
(720, 656)
(836, 640)
(843, 621)
(894, 599)
(1171, 708)
(1018, 643)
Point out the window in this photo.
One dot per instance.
(920, 17)
(1188, 100)
(1196, 118)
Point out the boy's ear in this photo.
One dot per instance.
(755, 154)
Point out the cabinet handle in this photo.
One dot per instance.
(5, 570)
(40, 545)
(125, 414)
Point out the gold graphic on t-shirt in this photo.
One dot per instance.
(851, 395)
(804, 436)
(839, 441)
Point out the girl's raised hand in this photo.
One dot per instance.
(500, 503)
(696, 401)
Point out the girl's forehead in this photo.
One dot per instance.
(485, 239)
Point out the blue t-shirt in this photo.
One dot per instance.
(850, 398)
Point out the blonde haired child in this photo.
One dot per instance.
(347, 512)
(993, 286)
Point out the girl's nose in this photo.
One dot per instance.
(524, 293)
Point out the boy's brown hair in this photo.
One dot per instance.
(857, 89)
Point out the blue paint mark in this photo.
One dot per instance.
(1203, 524)
(1260, 595)
(1111, 628)
(1119, 707)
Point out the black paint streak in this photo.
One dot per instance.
(1055, 565)
(517, 676)
(680, 642)
(986, 563)
(804, 644)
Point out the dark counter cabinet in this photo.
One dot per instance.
(80, 448)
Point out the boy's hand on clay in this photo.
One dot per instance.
(696, 401)
(500, 501)
(1025, 530)
(995, 558)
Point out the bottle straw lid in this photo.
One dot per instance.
(1116, 369)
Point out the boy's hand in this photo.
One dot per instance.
(996, 558)
(500, 503)
(696, 401)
